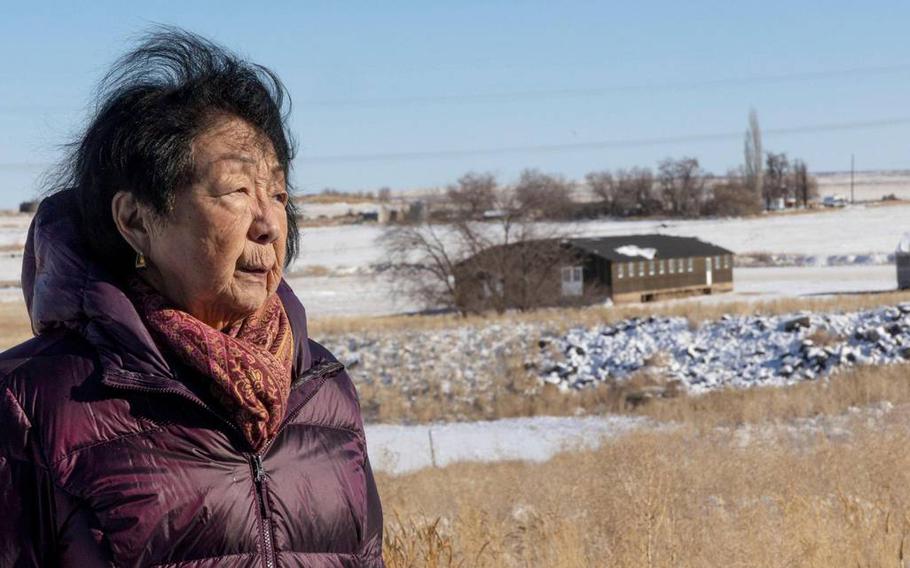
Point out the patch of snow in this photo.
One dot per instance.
(400, 449)
(635, 250)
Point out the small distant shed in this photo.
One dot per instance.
(28, 206)
(902, 259)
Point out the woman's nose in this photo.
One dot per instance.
(266, 225)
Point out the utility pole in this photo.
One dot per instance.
(852, 201)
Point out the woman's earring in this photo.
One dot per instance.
(140, 260)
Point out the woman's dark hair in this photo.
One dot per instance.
(149, 108)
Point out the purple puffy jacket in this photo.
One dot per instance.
(112, 455)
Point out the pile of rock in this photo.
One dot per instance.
(732, 351)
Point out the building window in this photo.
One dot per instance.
(641, 268)
(650, 268)
(726, 261)
(619, 270)
(717, 262)
(492, 286)
(691, 265)
(660, 266)
(631, 270)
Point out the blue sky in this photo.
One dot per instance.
(413, 94)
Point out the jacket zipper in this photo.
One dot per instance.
(268, 547)
(259, 480)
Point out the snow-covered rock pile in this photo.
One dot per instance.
(733, 351)
(468, 357)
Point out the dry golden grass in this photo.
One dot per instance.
(14, 325)
(333, 198)
(311, 270)
(683, 498)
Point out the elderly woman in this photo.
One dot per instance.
(171, 410)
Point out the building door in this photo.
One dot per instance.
(572, 284)
(709, 276)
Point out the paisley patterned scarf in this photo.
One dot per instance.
(249, 363)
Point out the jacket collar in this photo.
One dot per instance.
(64, 287)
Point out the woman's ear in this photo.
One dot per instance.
(133, 220)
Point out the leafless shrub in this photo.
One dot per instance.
(473, 195)
(733, 197)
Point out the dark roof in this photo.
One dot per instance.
(666, 246)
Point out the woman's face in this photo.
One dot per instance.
(220, 253)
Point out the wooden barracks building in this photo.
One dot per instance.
(632, 268)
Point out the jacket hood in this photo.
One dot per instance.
(65, 287)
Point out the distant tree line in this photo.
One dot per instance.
(678, 188)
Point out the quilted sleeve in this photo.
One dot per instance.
(26, 521)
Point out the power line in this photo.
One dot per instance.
(511, 96)
(551, 148)
(594, 145)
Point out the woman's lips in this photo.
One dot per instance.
(254, 271)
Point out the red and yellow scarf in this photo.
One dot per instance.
(249, 363)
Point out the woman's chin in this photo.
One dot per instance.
(248, 296)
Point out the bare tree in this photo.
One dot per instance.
(635, 193)
(384, 194)
(603, 187)
(804, 185)
(777, 170)
(753, 166)
(473, 194)
(682, 184)
(501, 263)
(543, 196)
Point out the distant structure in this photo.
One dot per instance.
(28, 206)
(624, 269)
(902, 260)
(401, 212)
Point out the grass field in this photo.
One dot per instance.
(701, 494)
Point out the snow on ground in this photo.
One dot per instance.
(870, 186)
(356, 295)
(340, 247)
(400, 449)
(857, 230)
(311, 210)
(735, 351)
(767, 283)
(13, 230)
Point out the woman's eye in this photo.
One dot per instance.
(281, 198)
